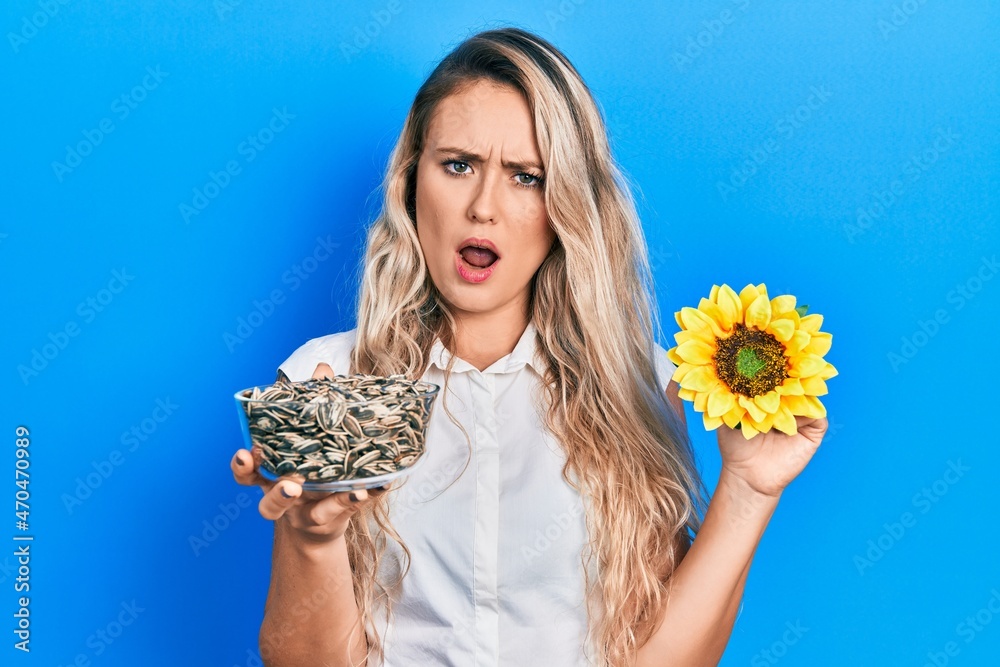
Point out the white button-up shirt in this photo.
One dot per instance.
(496, 576)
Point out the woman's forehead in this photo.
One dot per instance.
(484, 118)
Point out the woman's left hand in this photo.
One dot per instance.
(768, 462)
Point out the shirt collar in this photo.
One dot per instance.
(525, 352)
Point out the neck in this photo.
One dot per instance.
(482, 338)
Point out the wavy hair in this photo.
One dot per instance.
(594, 309)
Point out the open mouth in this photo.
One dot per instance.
(478, 258)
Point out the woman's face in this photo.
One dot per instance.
(479, 181)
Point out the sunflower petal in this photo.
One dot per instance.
(713, 294)
(753, 410)
(747, 429)
(683, 368)
(798, 342)
(792, 315)
(784, 421)
(790, 387)
(674, 357)
(733, 417)
(677, 316)
(819, 344)
(783, 329)
(713, 311)
(828, 372)
(686, 394)
(730, 306)
(700, 401)
(690, 318)
(711, 423)
(704, 335)
(759, 313)
(811, 323)
(783, 303)
(701, 379)
(720, 401)
(817, 409)
(814, 386)
(697, 320)
(768, 402)
(765, 424)
(806, 365)
(762, 289)
(797, 405)
(696, 352)
(747, 295)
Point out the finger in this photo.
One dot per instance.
(323, 371)
(335, 504)
(818, 423)
(283, 495)
(245, 472)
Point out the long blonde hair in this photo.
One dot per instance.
(594, 309)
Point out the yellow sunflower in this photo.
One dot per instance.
(751, 362)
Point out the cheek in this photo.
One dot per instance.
(432, 203)
(538, 231)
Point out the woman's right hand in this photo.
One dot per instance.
(316, 516)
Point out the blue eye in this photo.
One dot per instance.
(456, 167)
(530, 180)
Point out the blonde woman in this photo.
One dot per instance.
(551, 523)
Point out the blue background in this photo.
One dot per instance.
(753, 138)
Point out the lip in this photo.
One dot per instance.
(470, 273)
(482, 243)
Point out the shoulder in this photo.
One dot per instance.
(664, 367)
(333, 349)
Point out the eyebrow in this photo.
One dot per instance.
(468, 156)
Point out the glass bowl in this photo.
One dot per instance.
(342, 433)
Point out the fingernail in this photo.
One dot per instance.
(239, 461)
(282, 490)
(353, 496)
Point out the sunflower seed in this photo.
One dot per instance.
(345, 427)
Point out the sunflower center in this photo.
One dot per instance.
(750, 362)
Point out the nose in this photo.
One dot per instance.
(484, 204)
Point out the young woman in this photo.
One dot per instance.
(551, 522)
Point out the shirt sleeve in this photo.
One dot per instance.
(303, 361)
(333, 350)
(664, 367)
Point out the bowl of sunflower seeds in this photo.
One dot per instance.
(338, 433)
